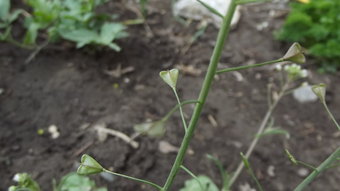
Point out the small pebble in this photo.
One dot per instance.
(304, 94)
(303, 172)
(108, 177)
(270, 171)
(126, 80)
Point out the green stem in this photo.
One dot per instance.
(135, 179)
(333, 157)
(181, 111)
(172, 111)
(331, 115)
(259, 132)
(251, 171)
(193, 176)
(306, 165)
(222, 35)
(249, 66)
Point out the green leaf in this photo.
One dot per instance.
(193, 185)
(251, 171)
(6, 34)
(75, 182)
(31, 34)
(111, 31)
(151, 129)
(114, 46)
(81, 36)
(224, 174)
(170, 77)
(4, 9)
(14, 15)
(25, 183)
(211, 9)
(142, 4)
(89, 165)
(273, 131)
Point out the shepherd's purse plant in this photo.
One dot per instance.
(202, 183)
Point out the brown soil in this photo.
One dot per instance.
(69, 88)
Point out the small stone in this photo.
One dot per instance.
(108, 177)
(1, 91)
(127, 80)
(304, 94)
(258, 76)
(165, 147)
(15, 147)
(246, 187)
(262, 26)
(270, 171)
(303, 172)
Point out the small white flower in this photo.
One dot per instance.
(16, 177)
(304, 73)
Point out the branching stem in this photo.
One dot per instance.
(134, 179)
(222, 36)
(249, 66)
(331, 115)
(323, 166)
(181, 111)
(259, 132)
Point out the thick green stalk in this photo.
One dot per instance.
(222, 36)
(249, 66)
(323, 166)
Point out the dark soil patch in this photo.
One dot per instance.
(69, 88)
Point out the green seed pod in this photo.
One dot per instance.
(170, 77)
(320, 91)
(89, 165)
(295, 54)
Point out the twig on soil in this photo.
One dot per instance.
(118, 134)
(82, 149)
(36, 52)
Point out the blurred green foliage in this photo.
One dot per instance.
(69, 182)
(76, 21)
(316, 25)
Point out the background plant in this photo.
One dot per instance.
(315, 25)
(69, 182)
(75, 21)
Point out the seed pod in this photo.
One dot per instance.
(170, 77)
(89, 165)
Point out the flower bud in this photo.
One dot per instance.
(89, 165)
(170, 77)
